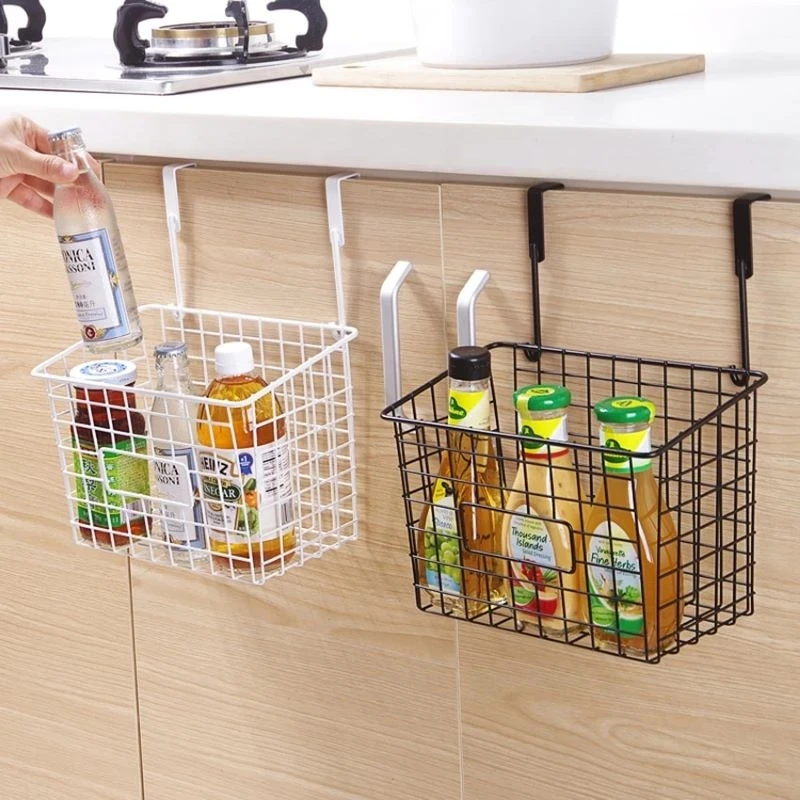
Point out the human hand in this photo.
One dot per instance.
(28, 170)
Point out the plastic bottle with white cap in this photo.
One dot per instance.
(245, 475)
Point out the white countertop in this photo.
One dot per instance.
(737, 126)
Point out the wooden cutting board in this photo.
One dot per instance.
(407, 73)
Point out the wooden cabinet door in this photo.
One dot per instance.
(68, 723)
(325, 683)
(652, 276)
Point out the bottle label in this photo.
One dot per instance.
(441, 541)
(124, 473)
(535, 584)
(625, 442)
(544, 430)
(615, 581)
(95, 284)
(469, 410)
(248, 493)
(175, 477)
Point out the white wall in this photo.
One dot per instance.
(709, 26)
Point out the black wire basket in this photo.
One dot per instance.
(571, 571)
(694, 577)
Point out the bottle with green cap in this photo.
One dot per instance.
(542, 531)
(457, 577)
(632, 559)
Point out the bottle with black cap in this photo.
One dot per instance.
(458, 579)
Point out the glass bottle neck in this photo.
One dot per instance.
(469, 405)
(626, 441)
(74, 153)
(541, 428)
(173, 375)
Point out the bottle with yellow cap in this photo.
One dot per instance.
(455, 570)
(542, 531)
(632, 546)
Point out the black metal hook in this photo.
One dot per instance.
(743, 268)
(537, 253)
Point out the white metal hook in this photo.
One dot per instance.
(169, 176)
(333, 197)
(465, 308)
(390, 330)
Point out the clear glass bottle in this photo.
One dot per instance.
(245, 473)
(94, 257)
(546, 584)
(469, 475)
(175, 467)
(632, 557)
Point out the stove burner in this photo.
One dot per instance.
(180, 64)
(241, 42)
(34, 30)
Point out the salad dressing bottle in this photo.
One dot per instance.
(469, 474)
(546, 584)
(635, 584)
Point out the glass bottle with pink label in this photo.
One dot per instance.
(633, 566)
(94, 257)
(543, 526)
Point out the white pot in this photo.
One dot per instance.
(495, 34)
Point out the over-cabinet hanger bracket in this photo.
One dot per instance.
(537, 254)
(743, 268)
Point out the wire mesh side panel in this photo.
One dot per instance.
(635, 558)
(244, 487)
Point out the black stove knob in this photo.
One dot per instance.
(34, 29)
(317, 21)
(131, 47)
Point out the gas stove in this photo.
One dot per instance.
(174, 59)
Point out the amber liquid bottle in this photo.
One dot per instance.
(107, 426)
(543, 530)
(457, 570)
(244, 471)
(635, 583)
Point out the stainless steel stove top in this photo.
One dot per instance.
(92, 65)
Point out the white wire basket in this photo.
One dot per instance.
(217, 523)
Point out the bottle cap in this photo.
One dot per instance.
(234, 358)
(116, 373)
(71, 135)
(542, 397)
(625, 411)
(170, 350)
(470, 364)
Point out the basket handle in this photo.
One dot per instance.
(390, 330)
(172, 203)
(333, 198)
(465, 308)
